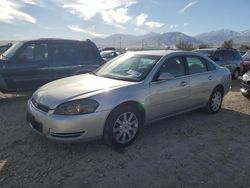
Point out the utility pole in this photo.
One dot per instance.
(142, 44)
(120, 43)
(159, 43)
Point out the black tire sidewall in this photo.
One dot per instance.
(108, 129)
(236, 70)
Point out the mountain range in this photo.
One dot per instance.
(157, 40)
(170, 39)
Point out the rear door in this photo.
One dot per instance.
(64, 58)
(229, 60)
(171, 96)
(28, 68)
(202, 80)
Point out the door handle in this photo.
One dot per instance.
(210, 77)
(183, 83)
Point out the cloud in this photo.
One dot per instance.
(118, 16)
(184, 9)
(81, 30)
(31, 2)
(152, 24)
(141, 19)
(174, 26)
(10, 11)
(112, 12)
(185, 24)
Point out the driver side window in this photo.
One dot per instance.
(34, 52)
(174, 66)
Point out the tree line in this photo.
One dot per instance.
(185, 45)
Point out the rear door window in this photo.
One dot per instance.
(196, 65)
(217, 56)
(64, 53)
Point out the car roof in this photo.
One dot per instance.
(56, 40)
(163, 52)
(214, 49)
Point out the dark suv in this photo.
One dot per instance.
(30, 64)
(229, 58)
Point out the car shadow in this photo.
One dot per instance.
(235, 85)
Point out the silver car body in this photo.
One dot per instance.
(157, 100)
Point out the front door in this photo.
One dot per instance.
(170, 96)
(27, 70)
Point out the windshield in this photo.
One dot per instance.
(11, 51)
(208, 53)
(129, 67)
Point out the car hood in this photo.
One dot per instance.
(81, 86)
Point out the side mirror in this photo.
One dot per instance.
(165, 76)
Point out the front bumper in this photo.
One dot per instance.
(69, 128)
(245, 88)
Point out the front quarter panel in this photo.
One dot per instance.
(112, 98)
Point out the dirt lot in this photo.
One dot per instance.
(191, 150)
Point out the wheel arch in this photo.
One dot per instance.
(221, 87)
(131, 103)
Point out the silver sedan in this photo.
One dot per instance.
(122, 96)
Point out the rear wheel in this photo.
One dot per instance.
(215, 101)
(122, 126)
(236, 74)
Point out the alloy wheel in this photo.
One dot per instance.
(216, 101)
(125, 127)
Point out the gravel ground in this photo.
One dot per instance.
(190, 150)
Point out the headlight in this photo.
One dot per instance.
(77, 107)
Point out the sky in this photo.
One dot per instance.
(82, 19)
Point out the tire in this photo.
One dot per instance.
(246, 95)
(236, 74)
(215, 101)
(122, 126)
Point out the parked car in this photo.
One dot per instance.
(242, 53)
(246, 62)
(108, 55)
(137, 88)
(5, 47)
(30, 64)
(245, 84)
(106, 49)
(229, 58)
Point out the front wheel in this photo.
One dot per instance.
(122, 126)
(215, 101)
